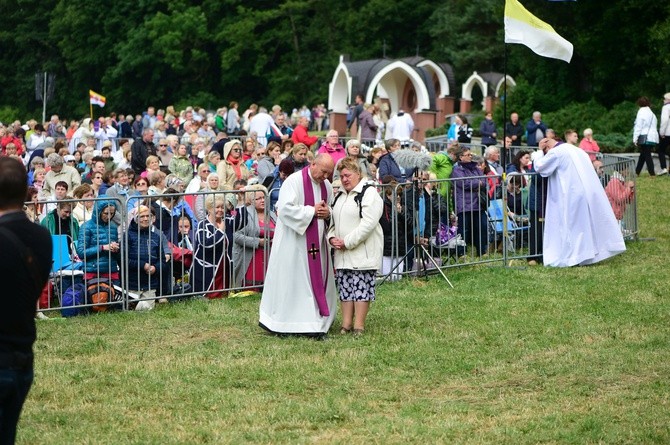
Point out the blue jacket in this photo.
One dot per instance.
(537, 193)
(388, 166)
(531, 128)
(451, 132)
(93, 235)
(144, 247)
(273, 189)
(486, 129)
(167, 221)
(467, 180)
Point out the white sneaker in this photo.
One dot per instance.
(663, 172)
(41, 316)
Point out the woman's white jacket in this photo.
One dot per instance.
(646, 124)
(362, 235)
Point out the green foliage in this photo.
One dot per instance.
(575, 116)
(615, 142)
(619, 119)
(520, 99)
(612, 128)
(163, 52)
(468, 35)
(203, 99)
(439, 131)
(9, 114)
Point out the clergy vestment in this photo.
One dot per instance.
(289, 304)
(580, 227)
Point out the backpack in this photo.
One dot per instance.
(74, 295)
(358, 199)
(99, 292)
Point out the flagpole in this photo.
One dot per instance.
(504, 150)
(505, 239)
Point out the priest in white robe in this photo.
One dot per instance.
(299, 294)
(580, 227)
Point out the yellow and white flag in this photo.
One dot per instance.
(96, 99)
(523, 27)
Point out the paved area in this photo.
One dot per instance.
(635, 156)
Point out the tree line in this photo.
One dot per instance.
(210, 52)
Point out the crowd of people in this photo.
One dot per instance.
(145, 196)
(173, 198)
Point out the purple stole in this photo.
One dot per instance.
(314, 246)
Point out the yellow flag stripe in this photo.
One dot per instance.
(515, 10)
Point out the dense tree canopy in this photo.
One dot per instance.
(210, 52)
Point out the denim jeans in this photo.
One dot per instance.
(14, 387)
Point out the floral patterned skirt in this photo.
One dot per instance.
(355, 285)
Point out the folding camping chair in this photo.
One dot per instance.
(496, 219)
(64, 271)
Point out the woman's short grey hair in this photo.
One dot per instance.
(211, 200)
(36, 160)
(491, 149)
(55, 160)
(352, 142)
(390, 143)
(250, 192)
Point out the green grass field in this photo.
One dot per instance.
(517, 355)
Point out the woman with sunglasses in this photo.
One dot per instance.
(231, 168)
(469, 184)
(199, 182)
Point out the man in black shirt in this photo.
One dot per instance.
(514, 129)
(141, 149)
(24, 269)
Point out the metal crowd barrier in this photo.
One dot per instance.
(201, 258)
(509, 226)
(429, 226)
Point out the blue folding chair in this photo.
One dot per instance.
(64, 271)
(60, 258)
(497, 218)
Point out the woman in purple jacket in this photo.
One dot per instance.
(469, 184)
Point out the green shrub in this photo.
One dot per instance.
(439, 131)
(9, 114)
(619, 119)
(475, 121)
(615, 142)
(575, 116)
(521, 99)
(201, 99)
(613, 129)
